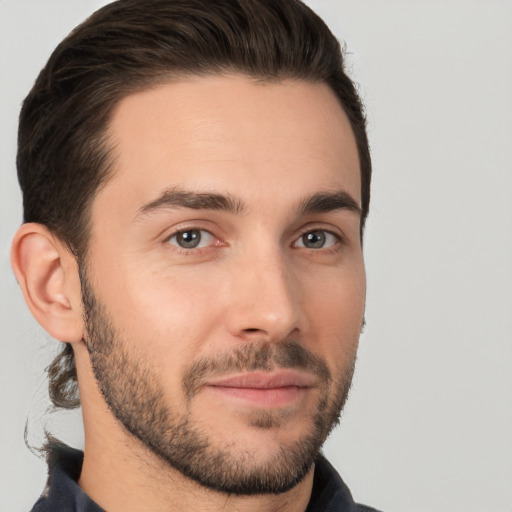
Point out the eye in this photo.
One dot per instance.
(317, 239)
(191, 239)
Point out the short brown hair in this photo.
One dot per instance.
(127, 46)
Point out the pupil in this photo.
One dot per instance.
(189, 239)
(314, 240)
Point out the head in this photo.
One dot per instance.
(174, 70)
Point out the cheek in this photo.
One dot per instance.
(335, 310)
(167, 317)
(164, 321)
(339, 292)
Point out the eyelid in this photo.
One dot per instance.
(189, 225)
(214, 241)
(340, 238)
(217, 241)
(176, 233)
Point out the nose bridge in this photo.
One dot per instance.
(264, 300)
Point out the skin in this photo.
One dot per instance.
(252, 279)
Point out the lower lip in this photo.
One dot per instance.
(262, 397)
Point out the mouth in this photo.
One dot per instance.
(270, 390)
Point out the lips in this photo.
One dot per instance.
(263, 389)
(265, 380)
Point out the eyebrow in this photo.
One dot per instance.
(324, 202)
(179, 198)
(175, 197)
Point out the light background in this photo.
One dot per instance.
(428, 426)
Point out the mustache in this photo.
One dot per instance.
(252, 357)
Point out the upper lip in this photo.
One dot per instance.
(265, 380)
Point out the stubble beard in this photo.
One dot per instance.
(136, 399)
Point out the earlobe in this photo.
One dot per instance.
(47, 273)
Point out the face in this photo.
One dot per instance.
(224, 288)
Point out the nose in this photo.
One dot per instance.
(265, 302)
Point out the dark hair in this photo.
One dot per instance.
(130, 45)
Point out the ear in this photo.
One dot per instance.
(48, 276)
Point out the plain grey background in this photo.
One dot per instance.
(428, 426)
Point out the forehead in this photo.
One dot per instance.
(231, 134)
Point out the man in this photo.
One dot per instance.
(196, 180)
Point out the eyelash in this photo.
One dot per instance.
(198, 251)
(337, 237)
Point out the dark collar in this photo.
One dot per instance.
(62, 493)
(330, 493)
